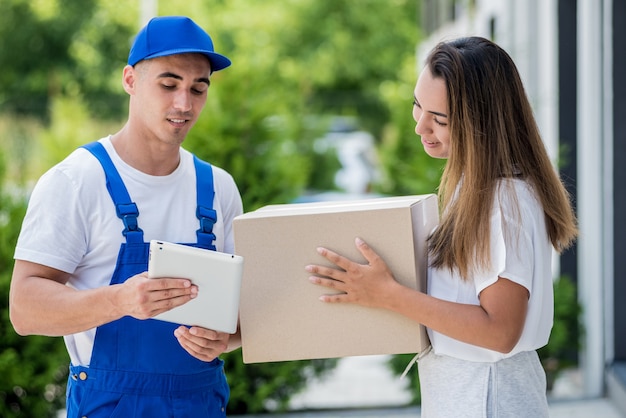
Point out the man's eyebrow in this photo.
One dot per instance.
(168, 74)
(443, 115)
(204, 80)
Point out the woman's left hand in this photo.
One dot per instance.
(363, 284)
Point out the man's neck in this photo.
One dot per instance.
(152, 157)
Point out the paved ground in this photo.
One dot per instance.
(595, 408)
(364, 387)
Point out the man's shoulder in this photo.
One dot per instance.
(79, 167)
(220, 175)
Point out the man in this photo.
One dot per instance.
(82, 254)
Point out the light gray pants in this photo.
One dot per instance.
(511, 388)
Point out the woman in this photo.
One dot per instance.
(489, 305)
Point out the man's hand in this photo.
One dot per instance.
(143, 298)
(42, 304)
(204, 344)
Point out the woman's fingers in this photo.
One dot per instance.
(352, 281)
(324, 271)
(336, 259)
(346, 264)
(370, 255)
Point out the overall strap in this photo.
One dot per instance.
(125, 208)
(206, 214)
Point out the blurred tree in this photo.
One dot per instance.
(56, 48)
(266, 387)
(407, 169)
(567, 331)
(296, 64)
(341, 52)
(255, 123)
(398, 364)
(294, 67)
(33, 369)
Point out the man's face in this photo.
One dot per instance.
(167, 95)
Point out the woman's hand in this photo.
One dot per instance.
(363, 284)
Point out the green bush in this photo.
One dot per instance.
(33, 369)
(263, 387)
(562, 349)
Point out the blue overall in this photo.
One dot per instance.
(138, 369)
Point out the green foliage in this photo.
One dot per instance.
(407, 168)
(296, 64)
(255, 139)
(343, 51)
(293, 67)
(562, 348)
(263, 387)
(70, 127)
(59, 47)
(33, 369)
(17, 138)
(398, 364)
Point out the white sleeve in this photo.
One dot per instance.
(53, 232)
(511, 246)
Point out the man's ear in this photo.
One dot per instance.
(129, 78)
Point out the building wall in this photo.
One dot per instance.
(594, 202)
(619, 177)
(567, 129)
(616, 328)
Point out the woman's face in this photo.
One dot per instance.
(430, 112)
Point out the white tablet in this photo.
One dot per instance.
(217, 275)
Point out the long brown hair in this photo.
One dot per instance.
(493, 135)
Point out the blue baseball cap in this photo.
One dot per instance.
(170, 35)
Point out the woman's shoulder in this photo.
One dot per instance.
(517, 197)
(514, 187)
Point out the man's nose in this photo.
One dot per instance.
(182, 101)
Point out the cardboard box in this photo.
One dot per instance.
(281, 317)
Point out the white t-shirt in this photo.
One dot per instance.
(523, 255)
(71, 224)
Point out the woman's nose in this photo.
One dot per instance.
(420, 125)
(417, 117)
